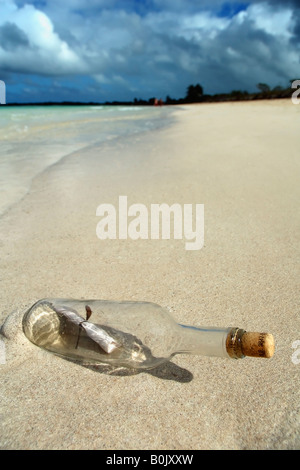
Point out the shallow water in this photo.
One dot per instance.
(35, 137)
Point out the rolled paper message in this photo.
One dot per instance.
(95, 332)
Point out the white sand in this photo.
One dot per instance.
(241, 160)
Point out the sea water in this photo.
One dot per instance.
(32, 138)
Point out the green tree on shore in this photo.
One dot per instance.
(194, 93)
(263, 87)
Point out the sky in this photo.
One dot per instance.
(105, 50)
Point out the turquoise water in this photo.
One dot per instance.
(32, 138)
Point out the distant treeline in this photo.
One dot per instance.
(194, 94)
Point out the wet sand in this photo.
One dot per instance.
(241, 160)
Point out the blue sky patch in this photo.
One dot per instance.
(228, 10)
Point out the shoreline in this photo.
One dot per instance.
(240, 160)
(45, 144)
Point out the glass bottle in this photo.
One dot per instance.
(138, 335)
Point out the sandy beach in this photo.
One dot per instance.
(241, 160)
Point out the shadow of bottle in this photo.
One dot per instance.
(167, 371)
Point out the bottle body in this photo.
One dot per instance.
(139, 335)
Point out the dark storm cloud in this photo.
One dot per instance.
(12, 37)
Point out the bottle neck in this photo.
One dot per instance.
(205, 341)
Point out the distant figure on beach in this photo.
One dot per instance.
(158, 102)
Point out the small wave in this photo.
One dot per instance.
(131, 108)
(17, 117)
(31, 146)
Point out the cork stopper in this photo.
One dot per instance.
(257, 344)
(240, 343)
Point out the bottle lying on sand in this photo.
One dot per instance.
(138, 335)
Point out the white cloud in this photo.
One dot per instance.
(44, 52)
(274, 22)
(203, 25)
